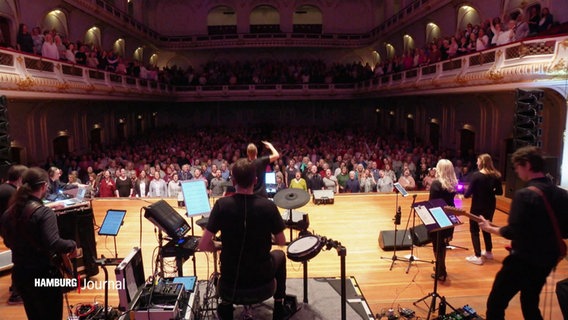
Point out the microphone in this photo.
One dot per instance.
(397, 216)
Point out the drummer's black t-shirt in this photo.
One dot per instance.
(262, 220)
(260, 165)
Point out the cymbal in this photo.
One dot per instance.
(291, 198)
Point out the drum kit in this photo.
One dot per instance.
(307, 246)
(291, 199)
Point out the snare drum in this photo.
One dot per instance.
(304, 248)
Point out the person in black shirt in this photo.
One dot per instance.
(7, 190)
(24, 39)
(484, 186)
(535, 247)
(444, 187)
(248, 222)
(315, 182)
(123, 183)
(30, 230)
(55, 187)
(260, 165)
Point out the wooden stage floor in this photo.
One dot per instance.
(355, 221)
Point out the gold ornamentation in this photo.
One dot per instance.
(62, 86)
(25, 83)
(495, 75)
(564, 43)
(498, 53)
(461, 80)
(559, 66)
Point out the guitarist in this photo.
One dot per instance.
(7, 190)
(536, 245)
(30, 229)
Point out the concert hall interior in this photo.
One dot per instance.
(138, 83)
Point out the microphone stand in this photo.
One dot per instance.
(412, 258)
(434, 294)
(397, 217)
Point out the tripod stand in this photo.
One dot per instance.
(434, 294)
(397, 217)
(411, 257)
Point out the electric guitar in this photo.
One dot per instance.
(462, 212)
(64, 264)
(67, 267)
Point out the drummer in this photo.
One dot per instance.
(247, 223)
(260, 165)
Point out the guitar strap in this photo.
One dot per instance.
(553, 220)
(29, 209)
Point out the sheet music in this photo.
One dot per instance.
(425, 215)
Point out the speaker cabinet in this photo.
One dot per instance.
(420, 235)
(386, 240)
(78, 225)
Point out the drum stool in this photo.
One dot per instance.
(242, 296)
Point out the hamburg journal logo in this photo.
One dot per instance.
(78, 284)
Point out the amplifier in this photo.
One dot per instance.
(323, 196)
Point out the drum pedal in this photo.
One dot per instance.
(291, 304)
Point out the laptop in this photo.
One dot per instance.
(270, 183)
(79, 197)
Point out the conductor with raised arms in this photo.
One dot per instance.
(260, 165)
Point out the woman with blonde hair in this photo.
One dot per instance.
(443, 187)
(484, 186)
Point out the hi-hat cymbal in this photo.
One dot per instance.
(291, 198)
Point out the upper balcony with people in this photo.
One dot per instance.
(94, 64)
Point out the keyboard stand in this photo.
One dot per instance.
(180, 254)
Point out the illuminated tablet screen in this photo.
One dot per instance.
(112, 222)
(195, 198)
(441, 217)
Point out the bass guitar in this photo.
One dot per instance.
(462, 212)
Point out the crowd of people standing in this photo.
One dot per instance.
(342, 160)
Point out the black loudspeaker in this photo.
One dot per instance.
(78, 225)
(420, 235)
(5, 140)
(386, 240)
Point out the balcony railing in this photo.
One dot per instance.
(30, 75)
(518, 64)
(514, 65)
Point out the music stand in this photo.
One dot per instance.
(111, 225)
(435, 219)
(411, 258)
